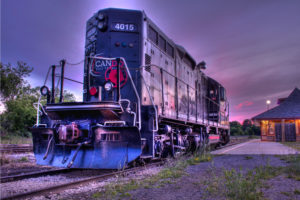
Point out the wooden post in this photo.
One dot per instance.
(297, 127)
(261, 130)
(282, 131)
(297, 130)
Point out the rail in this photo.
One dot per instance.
(51, 189)
(14, 148)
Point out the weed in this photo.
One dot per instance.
(15, 139)
(168, 175)
(198, 158)
(237, 185)
(286, 193)
(97, 195)
(297, 192)
(268, 172)
(293, 170)
(294, 145)
(23, 159)
(248, 157)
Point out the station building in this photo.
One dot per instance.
(281, 123)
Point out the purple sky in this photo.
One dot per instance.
(252, 47)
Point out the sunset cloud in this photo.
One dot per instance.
(251, 47)
(243, 104)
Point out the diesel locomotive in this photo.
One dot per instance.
(144, 97)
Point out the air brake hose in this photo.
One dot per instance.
(76, 152)
(48, 147)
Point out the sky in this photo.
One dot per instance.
(252, 47)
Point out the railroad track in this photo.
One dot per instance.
(15, 148)
(5, 179)
(60, 187)
(56, 188)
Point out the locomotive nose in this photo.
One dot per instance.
(113, 148)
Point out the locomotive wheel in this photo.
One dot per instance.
(225, 138)
(166, 152)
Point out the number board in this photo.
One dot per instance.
(127, 27)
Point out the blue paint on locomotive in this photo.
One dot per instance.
(113, 156)
(99, 155)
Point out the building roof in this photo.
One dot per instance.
(289, 109)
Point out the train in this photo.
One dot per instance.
(144, 98)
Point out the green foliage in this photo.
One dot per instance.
(248, 157)
(249, 131)
(23, 159)
(294, 145)
(238, 185)
(68, 97)
(247, 123)
(13, 84)
(18, 98)
(293, 170)
(297, 192)
(236, 128)
(167, 175)
(19, 115)
(246, 129)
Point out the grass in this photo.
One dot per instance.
(254, 137)
(236, 184)
(13, 139)
(168, 175)
(286, 193)
(248, 157)
(4, 159)
(23, 159)
(297, 192)
(293, 169)
(294, 145)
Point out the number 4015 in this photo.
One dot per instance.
(125, 27)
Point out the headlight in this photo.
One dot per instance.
(101, 25)
(101, 16)
(44, 90)
(108, 86)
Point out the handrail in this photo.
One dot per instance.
(144, 66)
(132, 83)
(151, 99)
(114, 122)
(39, 102)
(128, 109)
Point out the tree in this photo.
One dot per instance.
(19, 115)
(236, 128)
(249, 131)
(13, 83)
(256, 130)
(18, 98)
(246, 124)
